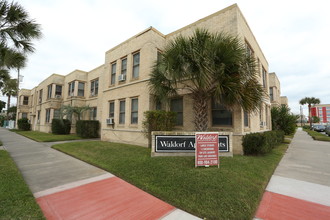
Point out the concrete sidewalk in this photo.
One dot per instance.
(300, 186)
(67, 188)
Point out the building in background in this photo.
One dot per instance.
(118, 89)
(322, 111)
(275, 92)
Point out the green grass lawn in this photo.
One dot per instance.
(232, 191)
(47, 137)
(317, 135)
(16, 200)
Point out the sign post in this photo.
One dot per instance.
(207, 149)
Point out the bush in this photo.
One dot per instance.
(61, 126)
(158, 120)
(283, 120)
(23, 124)
(261, 143)
(88, 128)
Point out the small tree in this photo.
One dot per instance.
(158, 120)
(68, 111)
(310, 101)
(315, 119)
(283, 120)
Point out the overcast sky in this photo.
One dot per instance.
(294, 36)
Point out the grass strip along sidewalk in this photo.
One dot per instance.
(232, 191)
(317, 135)
(16, 200)
(47, 137)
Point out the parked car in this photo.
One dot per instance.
(327, 130)
(319, 128)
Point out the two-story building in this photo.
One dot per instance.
(119, 94)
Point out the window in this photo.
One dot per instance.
(24, 115)
(111, 109)
(71, 89)
(58, 91)
(249, 51)
(50, 89)
(94, 87)
(81, 89)
(113, 73)
(159, 55)
(177, 106)
(124, 66)
(93, 113)
(246, 119)
(264, 77)
(271, 94)
(56, 113)
(220, 115)
(47, 115)
(122, 112)
(38, 116)
(25, 100)
(40, 96)
(134, 111)
(158, 105)
(136, 65)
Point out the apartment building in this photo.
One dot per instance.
(322, 111)
(119, 94)
(275, 91)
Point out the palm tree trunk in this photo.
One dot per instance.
(309, 115)
(8, 103)
(200, 112)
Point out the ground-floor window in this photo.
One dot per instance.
(220, 115)
(246, 119)
(134, 110)
(47, 115)
(93, 113)
(122, 104)
(24, 115)
(177, 106)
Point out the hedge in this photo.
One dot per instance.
(261, 143)
(61, 126)
(88, 128)
(23, 124)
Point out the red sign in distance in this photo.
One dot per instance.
(207, 149)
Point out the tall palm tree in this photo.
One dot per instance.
(209, 66)
(17, 31)
(310, 101)
(10, 89)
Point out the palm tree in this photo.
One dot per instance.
(17, 31)
(209, 66)
(9, 89)
(310, 101)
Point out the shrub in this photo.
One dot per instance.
(61, 126)
(158, 120)
(283, 120)
(261, 143)
(23, 124)
(88, 128)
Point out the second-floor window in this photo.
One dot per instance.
(113, 73)
(25, 100)
(81, 89)
(50, 89)
(220, 115)
(177, 106)
(271, 93)
(71, 89)
(94, 87)
(264, 77)
(136, 65)
(58, 91)
(40, 96)
(124, 66)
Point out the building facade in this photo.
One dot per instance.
(322, 111)
(275, 92)
(119, 94)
